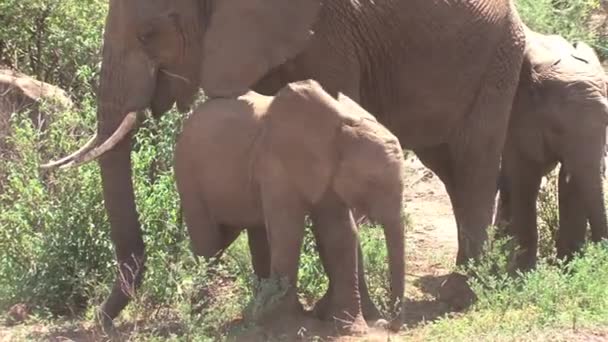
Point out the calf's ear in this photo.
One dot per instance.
(300, 131)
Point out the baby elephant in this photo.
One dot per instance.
(263, 163)
(560, 115)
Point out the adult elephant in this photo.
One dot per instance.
(441, 75)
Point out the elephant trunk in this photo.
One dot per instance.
(126, 233)
(395, 244)
(127, 85)
(596, 209)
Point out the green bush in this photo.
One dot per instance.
(570, 19)
(56, 41)
(548, 217)
(54, 238)
(554, 297)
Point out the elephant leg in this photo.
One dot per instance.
(454, 290)
(522, 180)
(473, 203)
(572, 217)
(336, 234)
(368, 308)
(284, 215)
(260, 251)
(476, 149)
(322, 305)
(477, 145)
(438, 160)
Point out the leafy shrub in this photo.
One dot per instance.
(553, 296)
(570, 19)
(47, 229)
(56, 41)
(548, 218)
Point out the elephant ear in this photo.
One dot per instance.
(585, 53)
(300, 130)
(541, 52)
(247, 38)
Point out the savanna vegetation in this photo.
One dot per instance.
(56, 259)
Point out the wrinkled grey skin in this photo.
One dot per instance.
(387, 55)
(560, 116)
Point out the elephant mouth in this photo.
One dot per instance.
(95, 147)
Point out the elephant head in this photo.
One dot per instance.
(157, 53)
(326, 144)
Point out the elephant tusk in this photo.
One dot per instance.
(84, 149)
(127, 124)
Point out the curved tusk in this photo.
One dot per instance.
(127, 124)
(89, 145)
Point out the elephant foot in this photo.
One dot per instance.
(525, 262)
(275, 299)
(456, 292)
(369, 309)
(106, 324)
(321, 307)
(396, 321)
(393, 326)
(348, 318)
(352, 326)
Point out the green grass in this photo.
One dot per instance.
(553, 297)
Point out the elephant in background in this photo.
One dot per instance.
(440, 75)
(265, 162)
(21, 93)
(560, 116)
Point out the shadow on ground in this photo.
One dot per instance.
(419, 312)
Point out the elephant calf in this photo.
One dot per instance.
(560, 115)
(263, 163)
